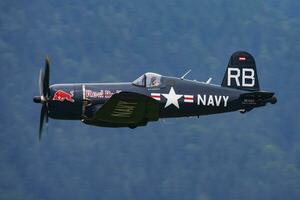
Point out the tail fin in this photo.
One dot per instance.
(241, 72)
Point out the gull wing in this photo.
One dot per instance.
(128, 108)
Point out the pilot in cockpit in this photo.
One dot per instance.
(154, 81)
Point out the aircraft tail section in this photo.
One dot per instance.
(251, 100)
(241, 72)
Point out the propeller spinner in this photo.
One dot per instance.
(44, 95)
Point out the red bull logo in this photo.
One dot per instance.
(61, 95)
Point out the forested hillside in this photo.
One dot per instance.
(229, 156)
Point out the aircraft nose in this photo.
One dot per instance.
(37, 99)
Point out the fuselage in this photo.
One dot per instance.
(176, 97)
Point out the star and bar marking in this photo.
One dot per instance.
(172, 98)
(204, 100)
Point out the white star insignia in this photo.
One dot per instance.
(172, 98)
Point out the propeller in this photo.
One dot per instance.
(44, 95)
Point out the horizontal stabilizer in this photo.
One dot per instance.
(258, 98)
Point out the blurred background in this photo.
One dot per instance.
(228, 156)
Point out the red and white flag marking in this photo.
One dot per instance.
(156, 96)
(189, 98)
(242, 58)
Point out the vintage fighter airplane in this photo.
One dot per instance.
(152, 96)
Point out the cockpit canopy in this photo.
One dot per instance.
(148, 79)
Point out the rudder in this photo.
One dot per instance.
(241, 72)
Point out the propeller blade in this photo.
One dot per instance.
(46, 77)
(44, 95)
(41, 75)
(43, 116)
